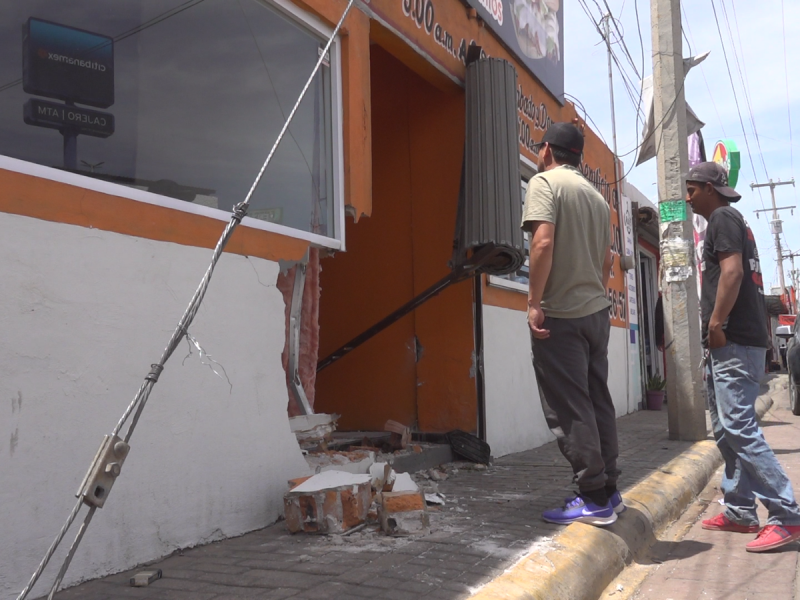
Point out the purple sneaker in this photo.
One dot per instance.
(616, 502)
(581, 510)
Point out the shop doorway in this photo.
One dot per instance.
(420, 370)
(653, 357)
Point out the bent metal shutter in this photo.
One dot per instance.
(490, 207)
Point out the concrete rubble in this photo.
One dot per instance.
(329, 502)
(334, 502)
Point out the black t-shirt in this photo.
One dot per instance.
(746, 325)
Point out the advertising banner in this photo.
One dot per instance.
(67, 63)
(534, 31)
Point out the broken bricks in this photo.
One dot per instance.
(330, 502)
(334, 502)
(403, 513)
(401, 434)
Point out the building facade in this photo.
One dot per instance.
(127, 137)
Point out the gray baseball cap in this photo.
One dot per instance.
(716, 175)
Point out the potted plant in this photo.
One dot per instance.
(655, 392)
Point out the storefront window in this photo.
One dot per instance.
(179, 98)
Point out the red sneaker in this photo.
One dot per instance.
(774, 536)
(723, 523)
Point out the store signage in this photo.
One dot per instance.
(42, 113)
(726, 153)
(67, 63)
(533, 31)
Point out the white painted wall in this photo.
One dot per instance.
(83, 314)
(618, 369)
(514, 418)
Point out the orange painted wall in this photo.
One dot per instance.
(417, 141)
(446, 393)
(54, 201)
(377, 381)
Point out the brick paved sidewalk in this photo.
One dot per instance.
(490, 519)
(714, 565)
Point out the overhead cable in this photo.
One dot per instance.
(736, 97)
(703, 73)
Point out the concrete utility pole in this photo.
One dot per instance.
(795, 275)
(607, 20)
(776, 223)
(686, 403)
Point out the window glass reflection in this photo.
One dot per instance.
(201, 89)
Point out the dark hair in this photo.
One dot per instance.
(565, 157)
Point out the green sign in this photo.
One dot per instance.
(726, 153)
(672, 210)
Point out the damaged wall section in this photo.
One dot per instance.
(85, 312)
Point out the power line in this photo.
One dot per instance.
(788, 100)
(744, 78)
(736, 98)
(703, 73)
(622, 39)
(627, 83)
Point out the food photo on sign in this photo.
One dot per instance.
(533, 30)
(537, 28)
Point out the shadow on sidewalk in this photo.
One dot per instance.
(772, 423)
(786, 450)
(662, 552)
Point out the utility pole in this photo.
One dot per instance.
(607, 20)
(686, 403)
(795, 275)
(777, 224)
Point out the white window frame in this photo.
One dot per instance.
(527, 170)
(304, 19)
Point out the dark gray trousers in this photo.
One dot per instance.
(572, 372)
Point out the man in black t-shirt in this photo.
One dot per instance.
(735, 337)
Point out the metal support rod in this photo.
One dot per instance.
(139, 401)
(458, 274)
(295, 319)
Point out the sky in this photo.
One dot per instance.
(758, 43)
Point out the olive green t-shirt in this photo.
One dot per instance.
(582, 219)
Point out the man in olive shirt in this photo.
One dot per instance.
(570, 262)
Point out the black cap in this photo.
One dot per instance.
(716, 175)
(565, 136)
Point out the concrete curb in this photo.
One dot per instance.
(585, 559)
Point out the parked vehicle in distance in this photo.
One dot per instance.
(792, 337)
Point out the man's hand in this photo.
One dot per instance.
(716, 336)
(535, 321)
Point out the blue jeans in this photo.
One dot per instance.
(733, 374)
